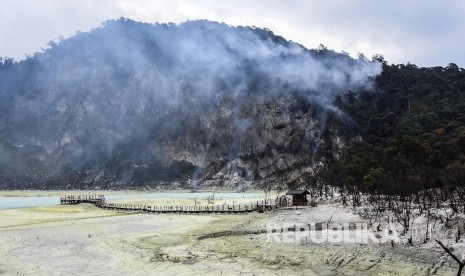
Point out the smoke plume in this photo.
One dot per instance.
(136, 91)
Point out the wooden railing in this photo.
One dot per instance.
(99, 201)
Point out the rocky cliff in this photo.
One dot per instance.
(201, 103)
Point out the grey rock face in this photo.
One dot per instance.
(135, 105)
(278, 140)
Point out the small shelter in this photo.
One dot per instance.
(299, 197)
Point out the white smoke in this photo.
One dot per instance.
(136, 82)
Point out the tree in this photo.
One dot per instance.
(460, 262)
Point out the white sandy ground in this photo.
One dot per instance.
(84, 240)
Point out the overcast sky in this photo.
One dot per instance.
(425, 32)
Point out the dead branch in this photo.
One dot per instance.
(461, 263)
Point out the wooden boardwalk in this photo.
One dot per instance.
(100, 202)
(97, 200)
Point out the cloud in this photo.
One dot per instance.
(425, 32)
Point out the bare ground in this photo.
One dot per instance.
(84, 240)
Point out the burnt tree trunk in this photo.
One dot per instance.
(460, 262)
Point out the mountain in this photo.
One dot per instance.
(131, 104)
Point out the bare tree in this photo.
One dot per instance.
(460, 262)
(266, 186)
(403, 212)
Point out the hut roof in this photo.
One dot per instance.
(297, 192)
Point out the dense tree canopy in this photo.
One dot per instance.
(412, 132)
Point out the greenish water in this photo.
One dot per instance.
(17, 202)
(25, 202)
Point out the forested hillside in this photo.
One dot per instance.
(412, 133)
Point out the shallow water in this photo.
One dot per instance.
(25, 202)
(17, 202)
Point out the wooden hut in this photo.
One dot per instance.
(299, 197)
